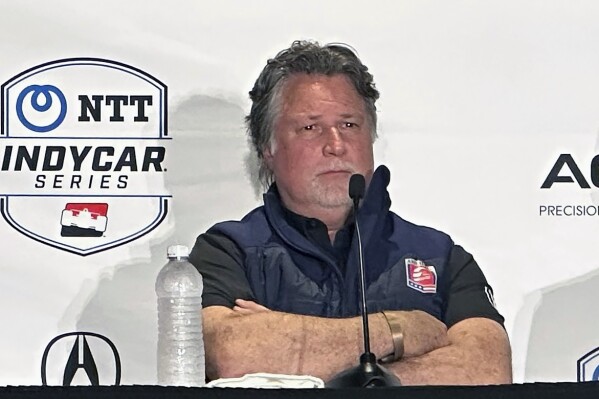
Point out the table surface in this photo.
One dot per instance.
(564, 390)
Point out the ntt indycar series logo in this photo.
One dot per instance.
(82, 154)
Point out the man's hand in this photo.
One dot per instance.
(422, 332)
(243, 307)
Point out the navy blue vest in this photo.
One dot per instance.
(405, 264)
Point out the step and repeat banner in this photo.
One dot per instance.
(122, 133)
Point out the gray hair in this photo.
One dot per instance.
(302, 57)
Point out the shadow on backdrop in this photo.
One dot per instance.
(208, 178)
(564, 327)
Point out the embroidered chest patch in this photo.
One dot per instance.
(421, 277)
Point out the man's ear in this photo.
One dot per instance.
(268, 155)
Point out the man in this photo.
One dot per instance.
(281, 286)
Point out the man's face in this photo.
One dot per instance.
(321, 137)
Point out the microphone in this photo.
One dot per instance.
(367, 374)
(357, 187)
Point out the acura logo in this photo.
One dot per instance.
(81, 358)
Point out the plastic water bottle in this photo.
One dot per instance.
(180, 353)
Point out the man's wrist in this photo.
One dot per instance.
(397, 335)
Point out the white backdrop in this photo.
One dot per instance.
(478, 99)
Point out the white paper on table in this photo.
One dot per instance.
(268, 381)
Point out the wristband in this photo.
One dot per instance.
(397, 334)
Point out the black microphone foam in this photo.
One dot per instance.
(357, 186)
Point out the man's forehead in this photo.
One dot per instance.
(304, 90)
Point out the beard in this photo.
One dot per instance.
(331, 194)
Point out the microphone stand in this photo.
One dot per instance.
(368, 373)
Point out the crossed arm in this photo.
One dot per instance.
(251, 338)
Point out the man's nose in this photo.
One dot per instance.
(334, 142)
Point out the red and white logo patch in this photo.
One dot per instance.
(421, 277)
(84, 219)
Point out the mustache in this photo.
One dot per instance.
(337, 166)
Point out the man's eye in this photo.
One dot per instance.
(309, 127)
(349, 124)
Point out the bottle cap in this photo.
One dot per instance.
(177, 251)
